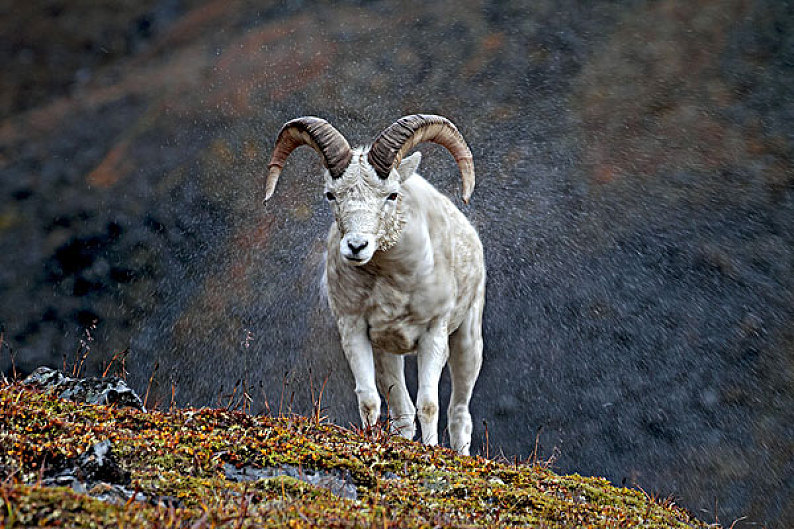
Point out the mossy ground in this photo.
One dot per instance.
(181, 455)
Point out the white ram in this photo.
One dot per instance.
(405, 269)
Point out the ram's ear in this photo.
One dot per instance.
(409, 166)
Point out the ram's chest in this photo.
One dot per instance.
(393, 321)
(398, 317)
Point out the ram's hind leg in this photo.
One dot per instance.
(391, 383)
(465, 360)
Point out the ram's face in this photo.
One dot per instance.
(366, 208)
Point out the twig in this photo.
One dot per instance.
(265, 399)
(124, 366)
(244, 501)
(281, 398)
(487, 440)
(534, 456)
(2, 342)
(317, 402)
(311, 393)
(85, 348)
(149, 385)
(388, 409)
(173, 396)
(13, 355)
(123, 354)
(248, 400)
(231, 396)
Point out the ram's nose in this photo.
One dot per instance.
(357, 248)
(356, 243)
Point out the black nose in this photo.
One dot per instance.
(356, 245)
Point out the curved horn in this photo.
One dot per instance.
(404, 134)
(312, 131)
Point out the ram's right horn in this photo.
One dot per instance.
(318, 134)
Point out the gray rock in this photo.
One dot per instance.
(97, 464)
(337, 482)
(108, 391)
(96, 473)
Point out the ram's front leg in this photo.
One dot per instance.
(358, 351)
(432, 354)
(390, 377)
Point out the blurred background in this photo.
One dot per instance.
(635, 196)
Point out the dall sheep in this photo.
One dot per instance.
(405, 271)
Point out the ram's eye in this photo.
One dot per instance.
(330, 196)
(392, 196)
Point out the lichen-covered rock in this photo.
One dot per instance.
(97, 464)
(337, 482)
(95, 472)
(108, 391)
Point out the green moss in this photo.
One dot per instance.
(176, 461)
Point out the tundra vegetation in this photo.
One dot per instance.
(182, 469)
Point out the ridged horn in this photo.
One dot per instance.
(318, 134)
(404, 134)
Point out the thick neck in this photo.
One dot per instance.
(410, 253)
(392, 230)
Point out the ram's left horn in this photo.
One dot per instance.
(403, 135)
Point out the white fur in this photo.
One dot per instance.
(422, 291)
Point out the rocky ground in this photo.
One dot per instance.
(634, 195)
